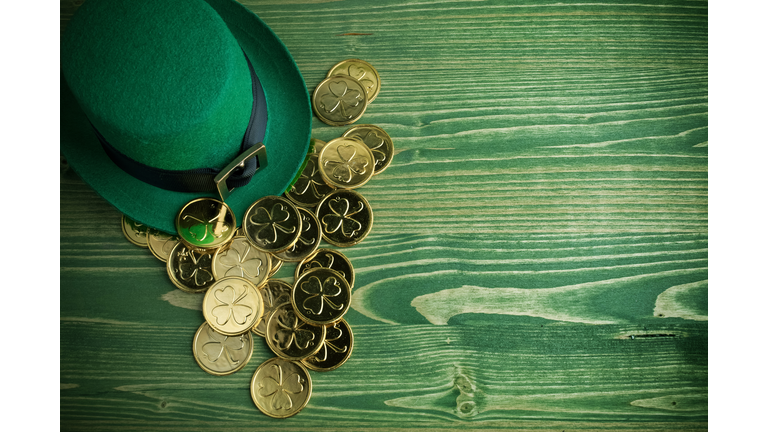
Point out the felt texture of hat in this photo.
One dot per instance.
(176, 133)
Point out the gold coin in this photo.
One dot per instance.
(276, 264)
(272, 224)
(290, 337)
(190, 269)
(232, 306)
(378, 141)
(281, 388)
(205, 223)
(218, 354)
(309, 239)
(310, 188)
(161, 244)
(336, 349)
(346, 163)
(273, 294)
(362, 72)
(345, 218)
(339, 100)
(240, 259)
(135, 232)
(321, 296)
(331, 259)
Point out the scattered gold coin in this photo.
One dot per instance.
(377, 140)
(336, 349)
(290, 337)
(242, 260)
(346, 163)
(331, 259)
(190, 269)
(205, 223)
(345, 218)
(161, 244)
(232, 306)
(273, 294)
(272, 224)
(218, 354)
(339, 100)
(281, 388)
(309, 239)
(321, 296)
(135, 232)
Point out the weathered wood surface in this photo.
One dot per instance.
(539, 254)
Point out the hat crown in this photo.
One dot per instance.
(165, 82)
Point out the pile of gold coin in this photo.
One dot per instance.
(302, 323)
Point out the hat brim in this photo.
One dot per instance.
(286, 138)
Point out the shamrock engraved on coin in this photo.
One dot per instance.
(359, 74)
(201, 230)
(228, 306)
(340, 98)
(222, 345)
(306, 226)
(290, 332)
(311, 180)
(375, 142)
(320, 293)
(138, 228)
(234, 259)
(280, 389)
(316, 263)
(348, 162)
(197, 268)
(332, 334)
(270, 221)
(342, 218)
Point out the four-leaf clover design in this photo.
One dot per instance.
(197, 268)
(235, 260)
(348, 162)
(280, 388)
(320, 294)
(269, 222)
(290, 331)
(342, 218)
(340, 98)
(229, 307)
(222, 345)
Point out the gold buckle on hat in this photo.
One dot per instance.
(258, 150)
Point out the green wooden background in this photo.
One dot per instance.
(539, 254)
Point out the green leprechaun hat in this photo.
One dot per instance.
(161, 98)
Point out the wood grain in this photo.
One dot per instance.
(539, 257)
